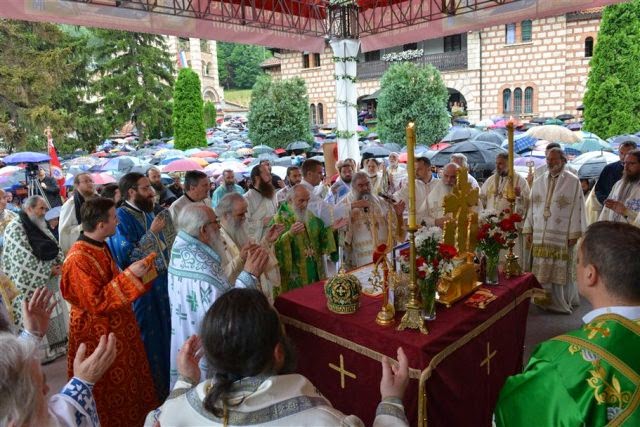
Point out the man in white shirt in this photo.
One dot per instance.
(623, 203)
(294, 177)
(424, 184)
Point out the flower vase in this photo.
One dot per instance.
(493, 260)
(428, 292)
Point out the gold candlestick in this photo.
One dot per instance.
(511, 268)
(412, 318)
(386, 315)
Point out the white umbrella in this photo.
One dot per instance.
(554, 133)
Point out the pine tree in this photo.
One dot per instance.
(279, 112)
(188, 122)
(612, 99)
(412, 93)
(134, 80)
(239, 64)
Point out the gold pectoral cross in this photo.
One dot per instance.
(342, 371)
(487, 360)
(459, 203)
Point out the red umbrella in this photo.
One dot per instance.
(402, 158)
(102, 178)
(182, 165)
(439, 146)
(279, 151)
(203, 154)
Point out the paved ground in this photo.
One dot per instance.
(540, 326)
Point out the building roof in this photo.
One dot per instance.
(271, 62)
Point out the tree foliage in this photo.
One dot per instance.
(612, 100)
(239, 64)
(412, 93)
(210, 114)
(134, 78)
(188, 122)
(279, 112)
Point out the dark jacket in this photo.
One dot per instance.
(608, 177)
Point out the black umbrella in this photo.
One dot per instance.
(375, 151)
(460, 134)
(480, 155)
(298, 145)
(617, 140)
(489, 136)
(392, 146)
(564, 117)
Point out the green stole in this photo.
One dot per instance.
(590, 377)
(300, 256)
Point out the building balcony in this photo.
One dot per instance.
(446, 61)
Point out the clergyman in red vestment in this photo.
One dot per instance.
(100, 296)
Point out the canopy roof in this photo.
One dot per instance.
(292, 24)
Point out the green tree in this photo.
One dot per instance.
(279, 112)
(36, 59)
(133, 79)
(210, 114)
(188, 123)
(412, 93)
(239, 64)
(612, 100)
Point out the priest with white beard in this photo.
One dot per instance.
(555, 221)
(368, 222)
(442, 187)
(493, 197)
(623, 203)
(196, 277)
(232, 211)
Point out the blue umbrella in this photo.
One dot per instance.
(26, 157)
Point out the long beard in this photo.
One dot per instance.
(215, 242)
(302, 215)
(39, 222)
(357, 195)
(266, 189)
(237, 231)
(143, 203)
(630, 179)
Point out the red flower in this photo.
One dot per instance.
(507, 225)
(482, 234)
(420, 272)
(404, 252)
(447, 251)
(515, 217)
(499, 238)
(435, 263)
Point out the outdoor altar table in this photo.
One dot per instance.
(456, 371)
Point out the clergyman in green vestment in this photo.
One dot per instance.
(300, 249)
(591, 376)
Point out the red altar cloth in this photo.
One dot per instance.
(456, 371)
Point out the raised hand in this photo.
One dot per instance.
(37, 311)
(256, 261)
(297, 227)
(139, 268)
(158, 224)
(274, 232)
(395, 378)
(91, 369)
(340, 223)
(189, 357)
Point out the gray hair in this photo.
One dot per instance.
(192, 218)
(31, 202)
(18, 393)
(292, 191)
(462, 158)
(226, 204)
(359, 176)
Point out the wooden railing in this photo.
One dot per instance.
(446, 61)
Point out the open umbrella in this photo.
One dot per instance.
(298, 145)
(392, 146)
(564, 117)
(277, 151)
(205, 154)
(102, 178)
(589, 165)
(439, 146)
(82, 161)
(590, 145)
(489, 136)
(554, 133)
(245, 152)
(480, 155)
(484, 123)
(228, 155)
(459, 134)
(182, 165)
(615, 141)
(26, 157)
(554, 122)
(574, 126)
(540, 120)
(261, 149)
(199, 160)
(375, 151)
(525, 160)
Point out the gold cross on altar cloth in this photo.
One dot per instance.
(487, 360)
(342, 371)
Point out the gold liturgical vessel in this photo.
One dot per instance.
(460, 231)
(511, 267)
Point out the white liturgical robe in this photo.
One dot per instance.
(629, 194)
(259, 208)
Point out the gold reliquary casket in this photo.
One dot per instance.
(460, 231)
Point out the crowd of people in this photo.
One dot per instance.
(172, 294)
